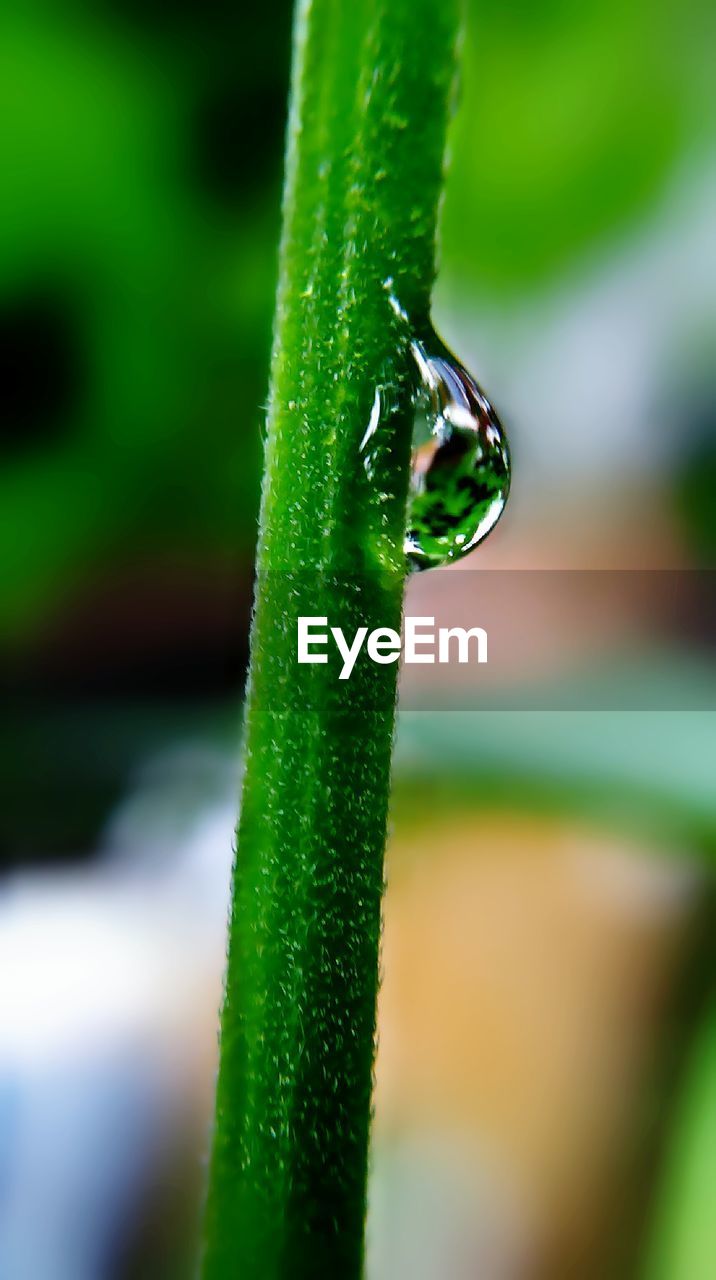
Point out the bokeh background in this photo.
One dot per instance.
(546, 1077)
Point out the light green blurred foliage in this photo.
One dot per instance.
(683, 1246)
(572, 118)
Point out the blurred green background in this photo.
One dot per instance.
(141, 156)
(141, 160)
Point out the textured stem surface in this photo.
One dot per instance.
(371, 86)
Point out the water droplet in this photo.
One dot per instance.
(460, 471)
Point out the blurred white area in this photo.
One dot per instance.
(438, 1210)
(112, 948)
(111, 980)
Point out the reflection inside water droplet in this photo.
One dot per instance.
(460, 466)
(460, 470)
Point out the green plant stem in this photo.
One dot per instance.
(370, 93)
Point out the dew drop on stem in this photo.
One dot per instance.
(460, 467)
